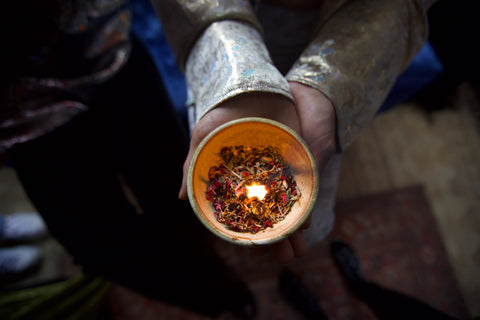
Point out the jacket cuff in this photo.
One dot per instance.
(230, 58)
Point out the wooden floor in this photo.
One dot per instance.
(402, 147)
(439, 150)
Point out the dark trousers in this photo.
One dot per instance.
(72, 177)
(391, 305)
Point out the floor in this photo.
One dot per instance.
(439, 150)
(408, 145)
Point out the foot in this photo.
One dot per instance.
(22, 227)
(347, 262)
(18, 260)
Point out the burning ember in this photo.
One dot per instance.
(256, 191)
(251, 189)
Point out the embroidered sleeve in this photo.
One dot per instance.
(356, 56)
(230, 58)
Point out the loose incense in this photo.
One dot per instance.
(243, 166)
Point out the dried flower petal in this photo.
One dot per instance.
(242, 166)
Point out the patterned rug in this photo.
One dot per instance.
(398, 244)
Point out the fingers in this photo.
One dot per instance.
(199, 132)
(183, 194)
(282, 252)
(288, 249)
(307, 223)
(298, 244)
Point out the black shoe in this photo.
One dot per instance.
(242, 302)
(298, 296)
(348, 263)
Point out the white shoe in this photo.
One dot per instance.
(19, 259)
(22, 227)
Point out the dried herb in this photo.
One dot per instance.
(241, 167)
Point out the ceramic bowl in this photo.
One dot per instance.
(254, 132)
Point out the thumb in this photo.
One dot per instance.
(183, 193)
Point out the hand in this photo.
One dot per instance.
(265, 105)
(317, 121)
(317, 126)
(272, 106)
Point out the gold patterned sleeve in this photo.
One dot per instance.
(228, 59)
(183, 21)
(219, 46)
(356, 55)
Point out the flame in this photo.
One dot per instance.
(256, 190)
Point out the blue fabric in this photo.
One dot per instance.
(147, 27)
(422, 71)
(425, 67)
(2, 223)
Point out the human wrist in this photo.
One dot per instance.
(254, 104)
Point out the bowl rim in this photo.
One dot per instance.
(241, 240)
